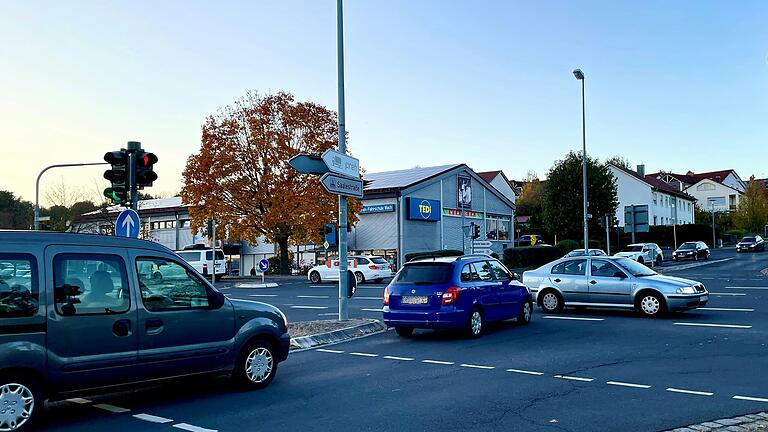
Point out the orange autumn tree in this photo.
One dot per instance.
(241, 176)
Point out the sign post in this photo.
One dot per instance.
(127, 224)
(263, 267)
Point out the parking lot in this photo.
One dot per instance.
(580, 370)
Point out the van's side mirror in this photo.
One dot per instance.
(217, 300)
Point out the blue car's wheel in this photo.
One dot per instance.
(526, 313)
(475, 324)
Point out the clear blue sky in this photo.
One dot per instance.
(675, 85)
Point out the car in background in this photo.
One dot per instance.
(644, 253)
(617, 282)
(693, 250)
(529, 240)
(751, 244)
(580, 252)
(201, 258)
(365, 268)
(464, 292)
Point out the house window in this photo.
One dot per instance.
(654, 200)
(705, 187)
(497, 228)
(717, 201)
(163, 225)
(654, 221)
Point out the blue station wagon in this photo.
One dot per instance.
(463, 292)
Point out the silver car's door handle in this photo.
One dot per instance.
(593, 281)
(557, 280)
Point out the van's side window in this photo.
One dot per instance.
(18, 285)
(167, 285)
(87, 284)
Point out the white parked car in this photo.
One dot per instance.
(201, 259)
(365, 268)
(644, 253)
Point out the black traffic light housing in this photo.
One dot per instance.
(328, 233)
(117, 176)
(145, 173)
(475, 231)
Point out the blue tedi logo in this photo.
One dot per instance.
(425, 209)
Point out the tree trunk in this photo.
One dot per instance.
(282, 244)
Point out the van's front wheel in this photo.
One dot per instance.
(256, 367)
(21, 400)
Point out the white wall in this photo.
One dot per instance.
(503, 186)
(630, 191)
(706, 189)
(662, 210)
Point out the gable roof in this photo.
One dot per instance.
(488, 176)
(655, 183)
(692, 178)
(401, 179)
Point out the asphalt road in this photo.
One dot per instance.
(591, 370)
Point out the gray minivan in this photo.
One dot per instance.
(80, 313)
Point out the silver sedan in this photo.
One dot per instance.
(611, 282)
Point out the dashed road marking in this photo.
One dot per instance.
(574, 378)
(329, 351)
(734, 326)
(573, 318)
(693, 392)
(747, 287)
(262, 295)
(328, 314)
(360, 354)
(367, 298)
(111, 408)
(728, 294)
(80, 401)
(371, 310)
(437, 362)
(307, 307)
(398, 358)
(727, 309)
(152, 419)
(626, 384)
(474, 366)
(313, 296)
(192, 428)
(527, 372)
(750, 398)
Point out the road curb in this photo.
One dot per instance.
(256, 285)
(749, 422)
(336, 336)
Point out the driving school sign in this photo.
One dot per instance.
(423, 209)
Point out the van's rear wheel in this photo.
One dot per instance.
(256, 367)
(21, 400)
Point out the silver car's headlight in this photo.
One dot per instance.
(686, 290)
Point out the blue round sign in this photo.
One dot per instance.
(263, 265)
(425, 209)
(127, 224)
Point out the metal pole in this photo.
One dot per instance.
(584, 164)
(213, 257)
(634, 226)
(608, 234)
(714, 241)
(343, 307)
(37, 186)
(463, 233)
(133, 147)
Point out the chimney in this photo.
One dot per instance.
(718, 179)
(641, 170)
(689, 173)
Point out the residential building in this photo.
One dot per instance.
(667, 205)
(722, 189)
(498, 180)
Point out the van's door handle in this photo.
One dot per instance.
(557, 280)
(154, 326)
(122, 328)
(593, 281)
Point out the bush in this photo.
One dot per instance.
(565, 246)
(530, 257)
(438, 253)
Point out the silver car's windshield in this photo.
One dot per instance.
(634, 268)
(632, 249)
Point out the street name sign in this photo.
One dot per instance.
(340, 163)
(483, 243)
(483, 251)
(127, 224)
(342, 185)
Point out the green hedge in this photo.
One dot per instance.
(438, 253)
(530, 256)
(566, 246)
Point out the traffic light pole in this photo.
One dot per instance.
(37, 186)
(133, 148)
(343, 279)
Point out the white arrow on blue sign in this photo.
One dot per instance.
(127, 224)
(264, 265)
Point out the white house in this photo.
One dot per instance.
(723, 188)
(498, 180)
(666, 204)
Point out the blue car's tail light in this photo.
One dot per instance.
(450, 295)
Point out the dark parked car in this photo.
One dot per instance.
(529, 240)
(463, 292)
(751, 244)
(80, 312)
(694, 250)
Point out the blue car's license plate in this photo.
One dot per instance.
(415, 300)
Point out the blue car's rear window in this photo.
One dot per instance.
(425, 273)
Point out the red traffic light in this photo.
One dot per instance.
(146, 159)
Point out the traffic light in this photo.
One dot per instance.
(328, 233)
(475, 231)
(118, 176)
(145, 173)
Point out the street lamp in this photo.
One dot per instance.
(580, 76)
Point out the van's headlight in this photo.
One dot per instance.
(686, 290)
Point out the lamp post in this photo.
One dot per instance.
(712, 206)
(580, 76)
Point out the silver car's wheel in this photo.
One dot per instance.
(258, 365)
(550, 302)
(650, 305)
(17, 403)
(475, 326)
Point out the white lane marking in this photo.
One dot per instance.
(363, 354)
(573, 378)
(474, 366)
(371, 310)
(80, 401)
(152, 419)
(329, 351)
(111, 408)
(750, 398)
(368, 298)
(626, 384)
(262, 295)
(693, 392)
(398, 358)
(756, 279)
(437, 362)
(573, 318)
(736, 326)
(727, 309)
(308, 307)
(727, 294)
(193, 428)
(320, 286)
(328, 314)
(527, 372)
(313, 296)
(747, 287)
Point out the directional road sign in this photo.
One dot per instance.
(342, 186)
(483, 244)
(483, 251)
(308, 164)
(263, 265)
(340, 163)
(127, 224)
